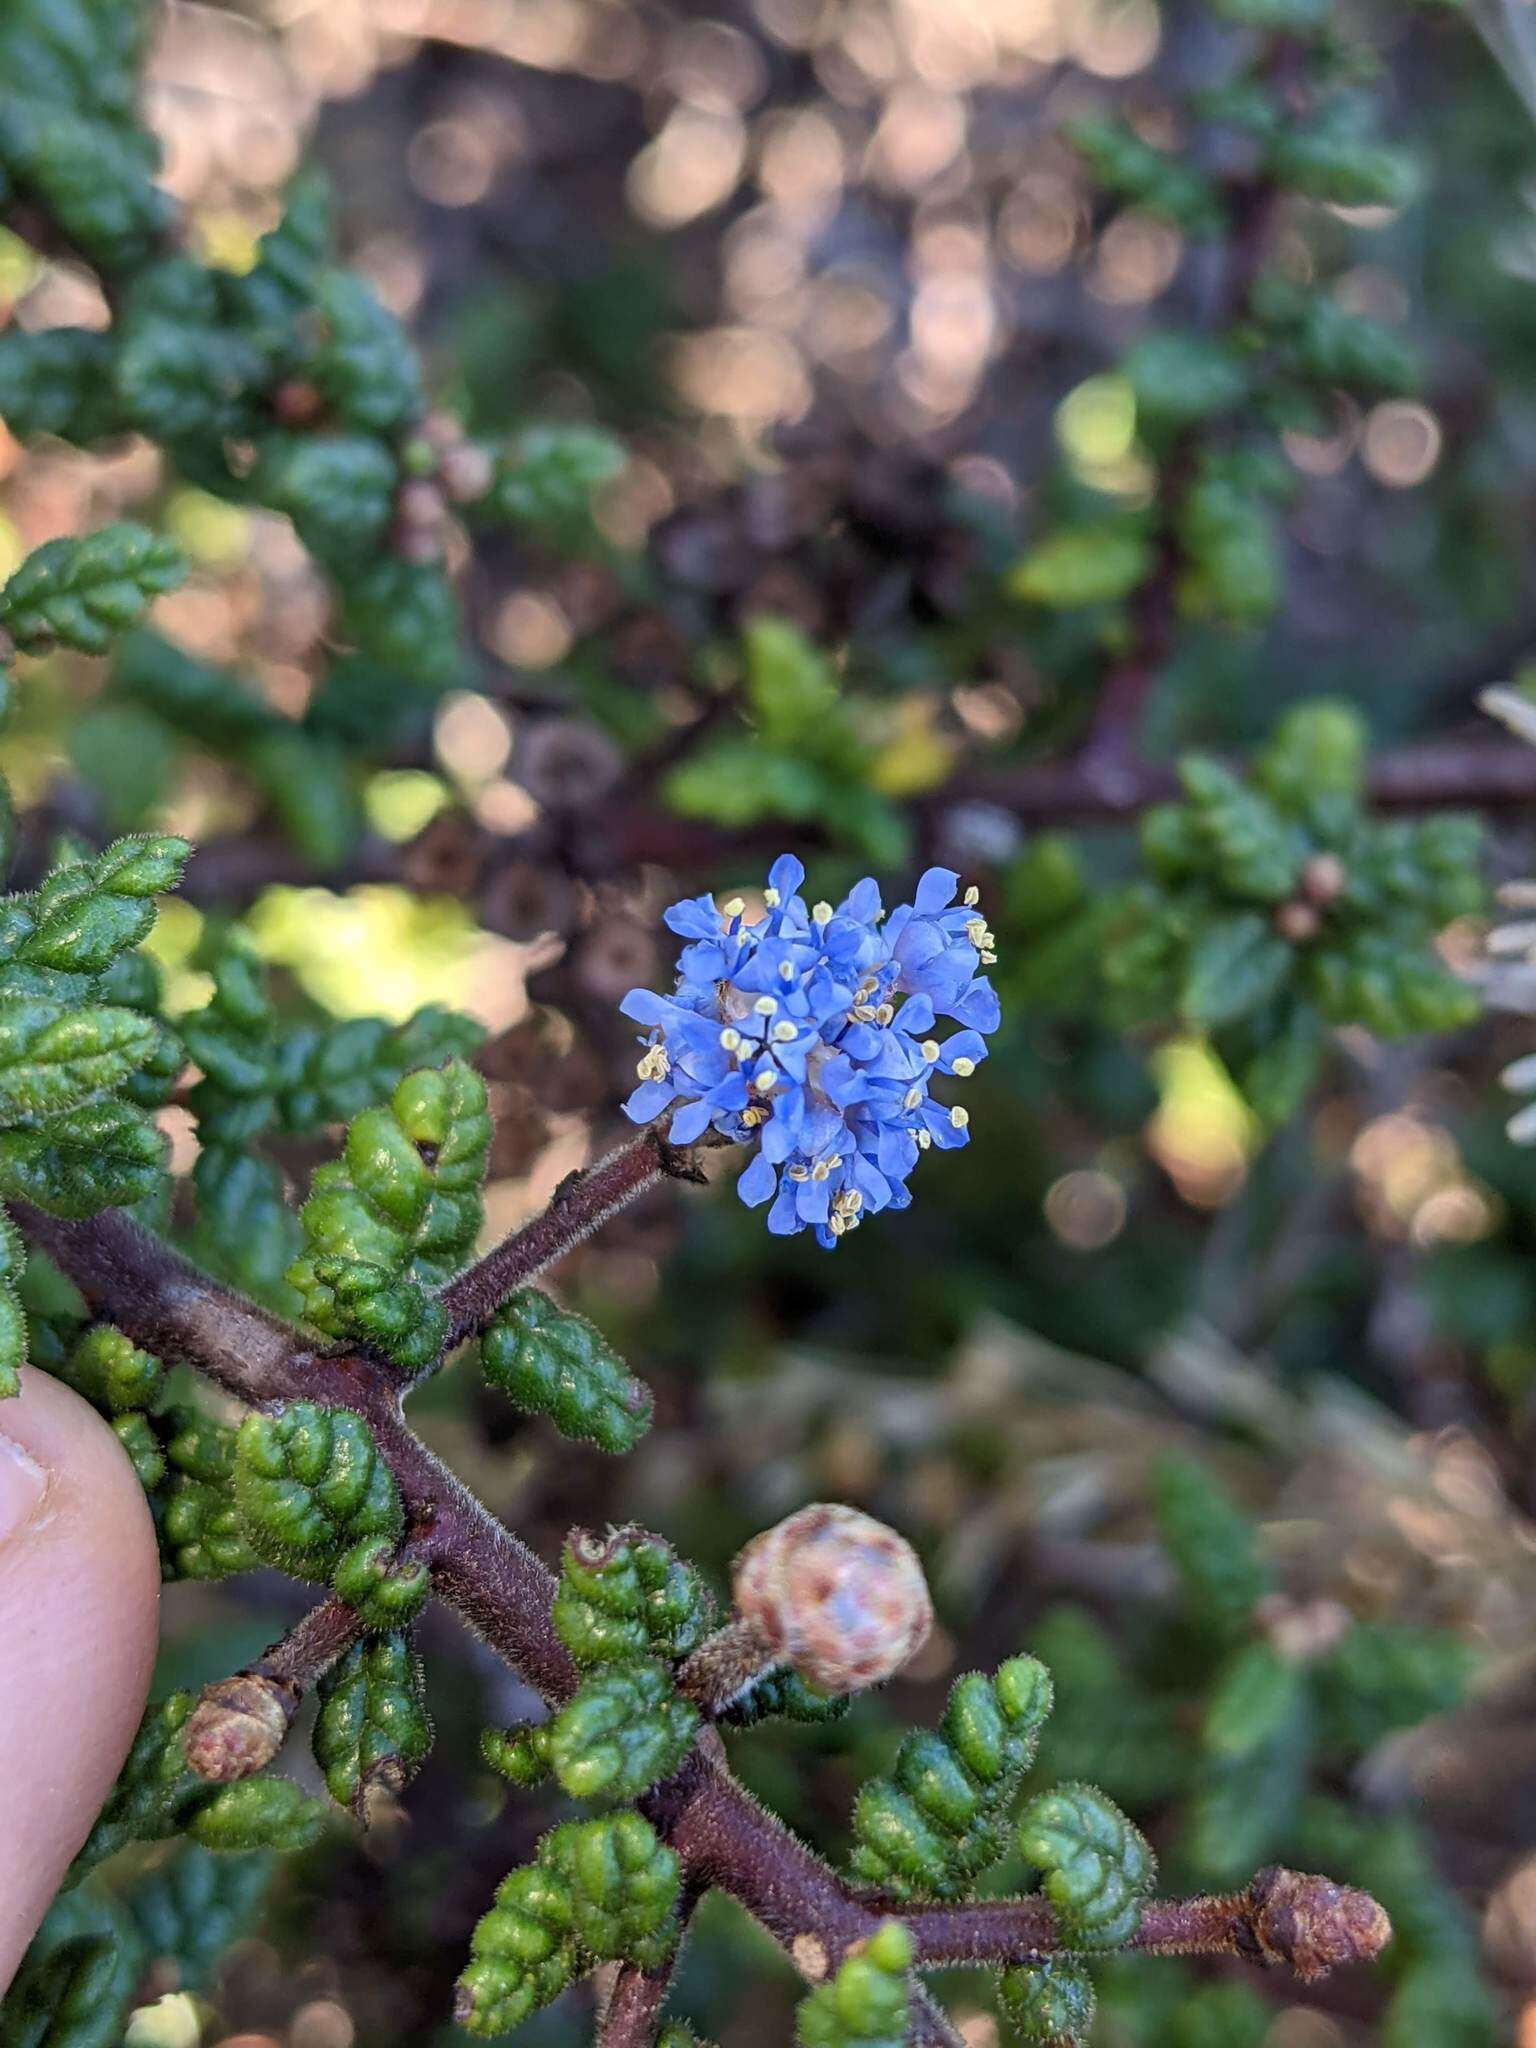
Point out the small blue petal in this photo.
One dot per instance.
(935, 891)
(758, 1183)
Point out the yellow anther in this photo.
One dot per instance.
(820, 1170)
(754, 1116)
(912, 1098)
(786, 970)
(964, 1068)
(765, 1080)
(862, 1013)
(929, 1049)
(972, 897)
(766, 1005)
(734, 908)
(783, 1031)
(834, 1161)
(885, 1013)
(976, 931)
(959, 1117)
(772, 899)
(822, 913)
(924, 1140)
(799, 1173)
(730, 1039)
(654, 1065)
(837, 1224)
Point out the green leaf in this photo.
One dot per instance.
(91, 177)
(189, 1909)
(1096, 1864)
(338, 489)
(941, 1818)
(1211, 1544)
(397, 1215)
(1316, 749)
(84, 592)
(365, 367)
(258, 1813)
(58, 382)
(553, 1362)
(112, 1373)
(53, 1057)
(1254, 851)
(383, 1591)
(1255, 1694)
(523, 1953)
(373, 1729)
(625, 1728)
(789, 682)
(76, 1980)
(626, 1596)
(1082, 565)
(1049, 2004)
(624, 1883)
(547, 477)
(866, 2005)
(406, 617)
(1180, 378)
(1235, 965)
(98, 1156)
(309, 1483)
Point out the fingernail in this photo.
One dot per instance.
(22, 1481)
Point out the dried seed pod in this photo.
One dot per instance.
(238, 1726)
(1297, 922)
(836, 1595)
(1311, 1923)
(1323, 878)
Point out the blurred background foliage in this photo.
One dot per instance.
(861, 373)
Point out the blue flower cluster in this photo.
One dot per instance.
(809, 1032)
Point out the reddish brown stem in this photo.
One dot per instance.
(595, 1195)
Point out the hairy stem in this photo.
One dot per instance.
(593, 1196)
(631, 2014)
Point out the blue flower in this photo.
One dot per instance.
(809, 1034)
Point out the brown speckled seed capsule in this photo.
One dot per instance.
(238, 1726)
(836, 1595)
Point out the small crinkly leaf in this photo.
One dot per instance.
(373, 1730)
(553, 1362)
(76, 1979)
(384, 1591)
(866, 2005)
(53, 1055)
(397, 1214)
(86, 914)
(13, 1318)
(624, 1884)
(97, 1156)
(112, 1373)
(258, 1813)
(1048, 2004)
(1096, 1864)
(522, 1954)
(84, 592)
(625, 1596)
(190, 1908)
(941, 1817)
(622, 1730)
(309, 1483)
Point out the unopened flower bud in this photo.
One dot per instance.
(1322, 878)
(1312, 1923)
(297, 403)
(238, 1726)
(836, 1595)
(467, 471)
(1296, 922)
